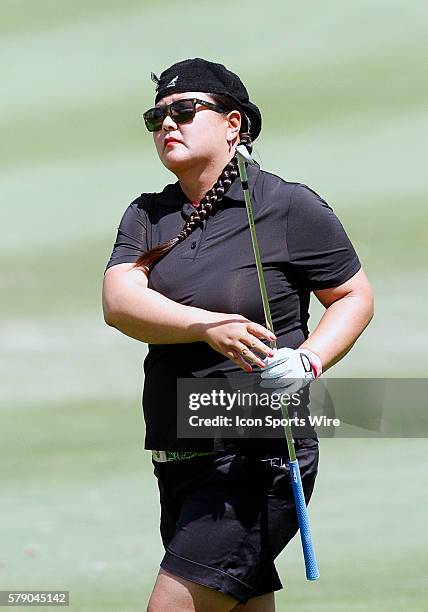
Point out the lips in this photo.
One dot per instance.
(170, 140)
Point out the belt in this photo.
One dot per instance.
(163, 456)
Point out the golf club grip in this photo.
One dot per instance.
(312, 572)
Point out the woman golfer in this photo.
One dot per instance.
(182, 277)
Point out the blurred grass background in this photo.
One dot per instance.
(342, 92)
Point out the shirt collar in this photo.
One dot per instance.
(235, 191)
(173, 196)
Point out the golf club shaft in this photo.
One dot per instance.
(312, 572)
(265, 299)
(263, 291)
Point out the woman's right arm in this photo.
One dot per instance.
(144, 314)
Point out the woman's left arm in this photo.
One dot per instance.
(349, 309)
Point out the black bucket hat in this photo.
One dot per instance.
(201, 75)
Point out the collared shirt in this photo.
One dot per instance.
(303, 248)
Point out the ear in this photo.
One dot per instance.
(234, 125)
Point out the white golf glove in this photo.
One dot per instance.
(289, 370)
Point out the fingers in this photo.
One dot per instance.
(239, 360)
(249, 355)
(245, 357)
(246, 350)
(279, 370)
(256, 345)
(241, 340)
(260, 332)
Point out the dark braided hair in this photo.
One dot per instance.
(211, 199)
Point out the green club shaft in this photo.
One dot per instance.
(268, 318)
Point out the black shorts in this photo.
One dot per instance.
(226, 517)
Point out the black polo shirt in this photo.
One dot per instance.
(303, 248)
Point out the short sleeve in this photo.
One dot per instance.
(318, 246)
(131, 239)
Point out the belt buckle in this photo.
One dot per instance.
(159, 456)
(165, 456)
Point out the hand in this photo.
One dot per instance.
(289, 370)
(238, 338)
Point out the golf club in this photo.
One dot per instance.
(312, 572)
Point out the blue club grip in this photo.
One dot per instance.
(312, 572)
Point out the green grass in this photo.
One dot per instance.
(23, 17)
(80, 499)
(343, 102)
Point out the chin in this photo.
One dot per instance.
(175, 161)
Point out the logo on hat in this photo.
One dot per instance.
(173, 82)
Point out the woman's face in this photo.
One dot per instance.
(198, 142)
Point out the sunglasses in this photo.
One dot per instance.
(180, 111)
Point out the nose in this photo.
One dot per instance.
(169, 124)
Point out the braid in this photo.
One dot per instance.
(206, 207)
